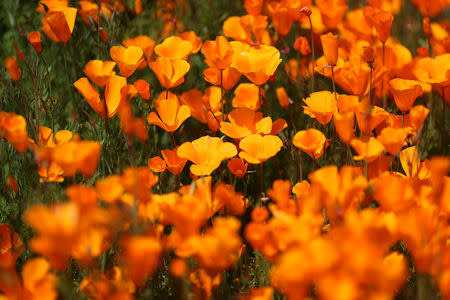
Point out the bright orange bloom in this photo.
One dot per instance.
(170, 72)
(412, 165)
(35, 40)
(205, 107)
(99, 71)
(417, 116)
(59, 22)
(90, 10)
(140, 256)
(330, 48)
(174, 47)
(237, 167)
(321, 106)
(301, 45)
(344, 123)
(253, 7)
(193, 38)
(368, 121)
(13, 128)
(113, 96)
(206, 153)
(145, 43)
(332, 12)
(393, 138)
(249, 29)
(51, 4)
(138, 7)
(175, 164)
(143, 88)
(247, 95)
(112, 285)
(156, 164)
(381, 20)
(110, 188)
(312, 141)
(13, 68)
(128, 59)
(435, 71)
(394, 193)
(244, 122)
(405, 92)
(256, 149)
(170, 114)
(368, 149)
(227, 78)
(283, 98)
(218, 53)
(257, 64)
(281, 17)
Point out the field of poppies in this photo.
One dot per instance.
(217, 149)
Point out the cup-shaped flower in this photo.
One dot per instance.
(127, 59)
(35, 40)
(257, 64)
(344, 122)
(99, 71)
(226, 78)
(218, 53)
(417, 116)
(246, 95)
(283, 98)
(237, 167)
(143, 88)
(174, 163)
(311, 141)
(381, 20)
(301, 45)
(256, 149)
(13, 68)
(368, 149)
(170, 114)
(405, 92)
(170, 72)
(244, 122)
(206, 153)
(320, 105)
(393, 138)
(435, 71)
(174, 47)
(59, 22)
(145, 43)
(330, 48)
(368, 118)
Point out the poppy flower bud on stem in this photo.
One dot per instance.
(305, 10)
(369, 58)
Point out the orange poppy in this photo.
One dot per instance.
(237, 167)
(283, 98)
(369, 118)
(12, 184)
(247, 95)
(206, 153)
(256, 149)
(175, 164)
(11, 246)
(312, 141)
(113, 96)
(170, 114)
(321, 106)
(257, 64)
(138, 7)
(99, 71)
(174, 47)
(344, 123)
(143, 88)
(51, 4)
(156, 164)
(381, 20)
(434, 71)
(128, 59)
(13, 68)
(226, 78)
(417, 116)
(368, 149)
(192, 37)
(170, 72)
(412, 165)
(90, 11)
(35, 40)
(393, 138)
(59, 22)
(249, 29)
(301, 45)
(330, 48)
(204, 106)
(244, 122)
(405, 92)
(218, 53)
(13, 128)
(332, 12)
(145, 43)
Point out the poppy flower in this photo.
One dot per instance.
(138, 7)
(170, 114)
(393, 139)
(206, 153)
(321, 106)
(156, 164)
(330, 48)
(170, 72)
(193, 38)
(301, 45)
(281, 17)
(58, 23)
(13, 128)
(381, 20)
(110, 188)
(417, 116)
(412, 165)
(174, 47)
(128, 59)
(256, 149)
(13, 68)
(283, 98)
(312, 141)
(249, 29)
(109, 285)
(332, 12)
(218, 53)
(12, 184)
(35, 40)
(257, 64)
(204, 106)
(253, 7)
(434, 71)
(237, 167)
(90, 11)
(113, 96)
(143, 88)
(227, 201)
(344, 124)
(226, 78)
(99, 71)
(175, 163)
(244, 122)
(145, 43)
(369, 118)
(405, 92)
(368, 149)
(247, 95)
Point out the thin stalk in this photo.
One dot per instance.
(222, 95)
(382, 81)
(261, 178)
(312, 54)
(334, 85)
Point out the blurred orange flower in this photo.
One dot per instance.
(321, 106)
(170, 72)
(170, 114)
(256, 149)
(13, 68)
(312, 141)
(99, 71)
(237, 167)
(127, 59)
(368, 149)
(175, 163)
(218, 53)
(405, 92)
(35, 40)
(244, 122)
